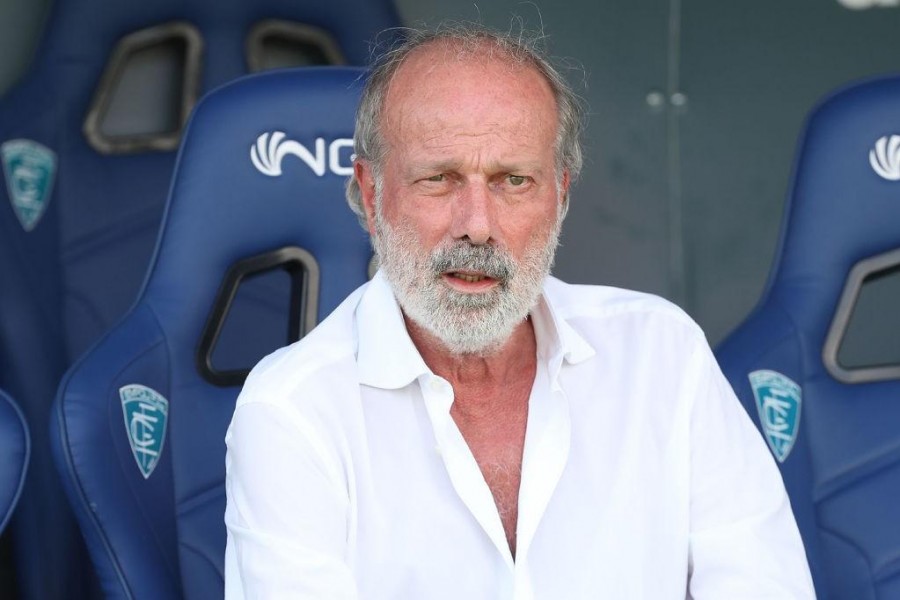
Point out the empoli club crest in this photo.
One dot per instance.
(146, 413)
(29, 168)
(778, 401)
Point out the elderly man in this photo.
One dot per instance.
(465, 426)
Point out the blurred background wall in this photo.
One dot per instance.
(695, 107)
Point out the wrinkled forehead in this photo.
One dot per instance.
(448, 77)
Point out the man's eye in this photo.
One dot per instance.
(436, 178)
(516, 179)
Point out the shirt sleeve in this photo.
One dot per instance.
(744, 542)
(286, 513)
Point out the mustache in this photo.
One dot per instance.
(494, 262)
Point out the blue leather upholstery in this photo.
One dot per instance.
(163, 536)
(15, 446)
(843, 473)
(77, 271)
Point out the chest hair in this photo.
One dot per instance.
(496, 439)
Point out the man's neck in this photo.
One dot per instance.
(507, 364)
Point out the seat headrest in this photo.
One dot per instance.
(845, 193)
(108, 20)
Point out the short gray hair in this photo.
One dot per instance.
(522, 47)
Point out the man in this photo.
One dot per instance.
(467, 427)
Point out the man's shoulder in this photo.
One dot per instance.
(573, 301)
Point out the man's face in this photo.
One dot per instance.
(467, 216)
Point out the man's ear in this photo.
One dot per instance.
(365, 178)
(564, 191)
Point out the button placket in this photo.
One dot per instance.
(545, 458)
(463, 470)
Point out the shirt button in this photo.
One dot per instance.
(436, 385)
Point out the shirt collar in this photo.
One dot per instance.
(388, 359)
(556, 339)
(386, 356)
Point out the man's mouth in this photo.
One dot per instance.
(470, 281)
(469, 277)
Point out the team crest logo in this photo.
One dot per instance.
(778, 401)
(29, 168)
(145, 414)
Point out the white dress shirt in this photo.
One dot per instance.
(642, 476)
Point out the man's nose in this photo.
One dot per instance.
(473, 214)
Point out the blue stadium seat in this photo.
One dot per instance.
(15, 446)
(87, 144)
(139, 421)
(816, 362)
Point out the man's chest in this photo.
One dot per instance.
(496, 442)
(588, 488)
(423, 519)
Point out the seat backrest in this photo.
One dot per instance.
(817, 364)
(140, 420)
(15, 446)
(87, 144)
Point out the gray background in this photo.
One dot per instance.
(695, 110)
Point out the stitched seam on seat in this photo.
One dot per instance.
(889, 570)
(25, 460)
(95, 241)
(853, 545)
(790, 334)
(203, 556)
(853, 475)
(200, 499)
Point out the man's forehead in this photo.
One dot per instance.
(443, 60)
(467, 80)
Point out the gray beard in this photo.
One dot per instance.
(473, 323)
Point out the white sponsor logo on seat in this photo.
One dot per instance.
(271, 148)
(863, 4)
(885, 157)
